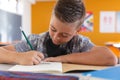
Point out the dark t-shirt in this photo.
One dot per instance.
(54, 50)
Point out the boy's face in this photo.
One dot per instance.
(60, 32)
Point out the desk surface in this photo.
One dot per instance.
(66, 67)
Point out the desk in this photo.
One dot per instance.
(5, 67)
(115, 47)
(66, 67)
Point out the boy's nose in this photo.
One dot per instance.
(56, 36)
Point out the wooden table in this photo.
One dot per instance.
(115, 47)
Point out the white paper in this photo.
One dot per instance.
(107, 21)
(42, 67)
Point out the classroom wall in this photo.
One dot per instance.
(41, 12)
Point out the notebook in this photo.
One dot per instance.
(44, 67)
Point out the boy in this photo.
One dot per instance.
(61, 43)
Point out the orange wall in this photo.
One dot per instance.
(41, 12)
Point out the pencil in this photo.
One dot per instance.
(27, 39)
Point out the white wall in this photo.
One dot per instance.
(26, 17)
(23, 8)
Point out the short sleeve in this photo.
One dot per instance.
(23, 46)
(86, 44)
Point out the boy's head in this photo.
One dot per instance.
(66, 19)
(69, 11)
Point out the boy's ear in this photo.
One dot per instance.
(78, 30)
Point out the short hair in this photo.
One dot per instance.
(70, 11)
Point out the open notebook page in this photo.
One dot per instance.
(42, 67)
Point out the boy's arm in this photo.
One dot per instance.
(9, 55)
(96, 56)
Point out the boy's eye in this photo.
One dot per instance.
(53, 30)
(64, 35)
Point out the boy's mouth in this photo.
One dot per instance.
(56, 42)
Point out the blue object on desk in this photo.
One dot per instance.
(7, 75)
(112, 73)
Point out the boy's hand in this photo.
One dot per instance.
(29, 58)
(53, 59)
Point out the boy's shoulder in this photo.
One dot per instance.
(82, 37)
(43, 34)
